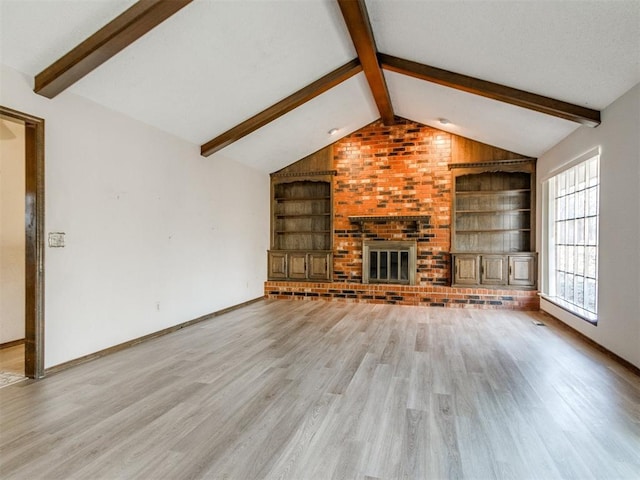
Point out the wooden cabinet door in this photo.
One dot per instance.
(319, 266)
(277, 265)
(466, 270)
(493, 270)
(522, 270)
(297, 263)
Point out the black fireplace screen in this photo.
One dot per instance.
(389, 262)
(388, 266)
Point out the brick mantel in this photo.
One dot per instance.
(419, 220)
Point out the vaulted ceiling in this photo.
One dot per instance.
(211, 66)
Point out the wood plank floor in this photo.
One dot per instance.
(316, 390)
(12, 359)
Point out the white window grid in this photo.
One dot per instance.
(574, 249)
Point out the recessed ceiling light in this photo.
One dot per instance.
(333, 131)
(444, 121)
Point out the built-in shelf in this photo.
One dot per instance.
(511, 211)
(301, 226)
(302, 220)
(512, 164)
(302, 215)
(301, 199)
(492, 234)
(493, 192)
(301, 232)
(501, 230)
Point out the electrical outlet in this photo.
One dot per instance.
(56, 239)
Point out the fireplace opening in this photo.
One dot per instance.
(389, 262)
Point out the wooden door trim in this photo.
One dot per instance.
(34, 240)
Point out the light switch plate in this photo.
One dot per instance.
(56, 239)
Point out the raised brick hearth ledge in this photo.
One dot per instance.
(406, 295)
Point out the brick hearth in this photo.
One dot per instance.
(431, 296)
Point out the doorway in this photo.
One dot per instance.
(33, 239)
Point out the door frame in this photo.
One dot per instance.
(34, 240)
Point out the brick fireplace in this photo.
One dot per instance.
(393, 184)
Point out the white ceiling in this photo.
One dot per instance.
(216, 63)
(488, 121)
(582, 52)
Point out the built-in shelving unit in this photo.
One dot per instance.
(493, 217)
(302, 215)
(302, 220)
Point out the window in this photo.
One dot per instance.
(572, 209)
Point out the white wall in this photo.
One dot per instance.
(618, 136)
(12, 231)
(155, 233)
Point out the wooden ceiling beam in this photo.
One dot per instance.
(357, 20)
(495, 91)
(118, 34)
(284, 106)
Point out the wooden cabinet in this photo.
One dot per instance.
(493, 218)
(511, 271)
(277, 265)
(522, 270)
(296, 265)
(466, 269)
(493, 270)
(301, 224)
(319, 265)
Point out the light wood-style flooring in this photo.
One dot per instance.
(317, 390)
(12, 359)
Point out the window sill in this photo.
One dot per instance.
(572, 309)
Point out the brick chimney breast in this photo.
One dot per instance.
(387, 171)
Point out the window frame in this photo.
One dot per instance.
(549, 222)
